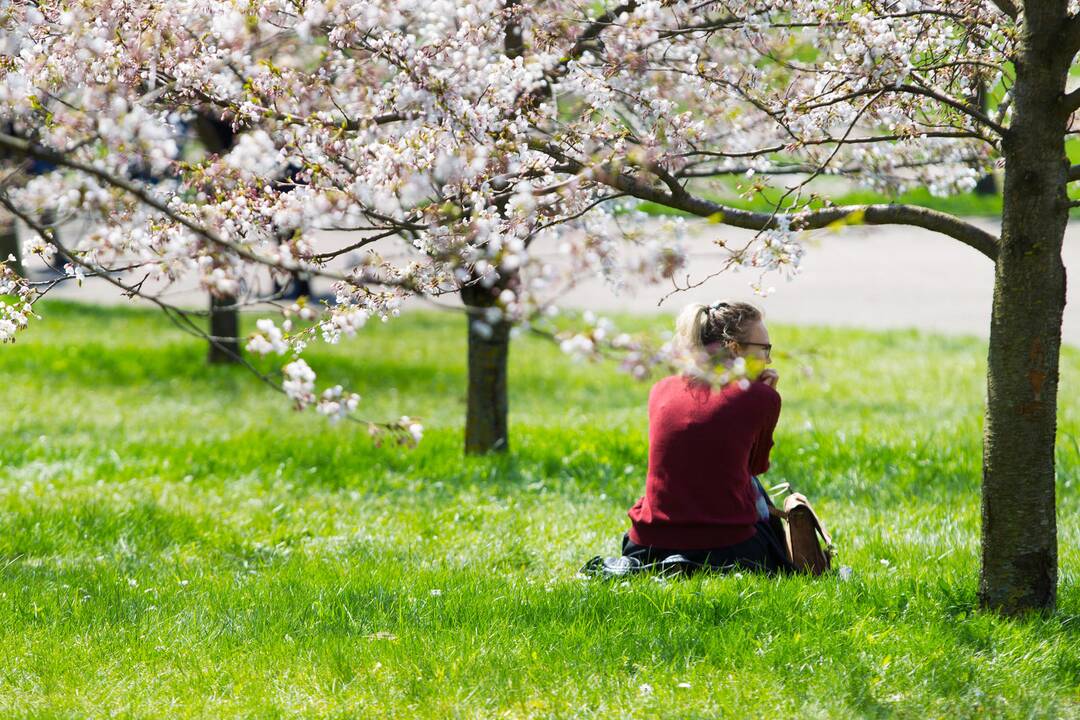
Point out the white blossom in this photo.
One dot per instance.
(337, 404)
(268, 340)
(475, 158)
(299, 384)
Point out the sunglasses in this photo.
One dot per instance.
(766, 346)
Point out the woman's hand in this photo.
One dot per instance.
(770, 377)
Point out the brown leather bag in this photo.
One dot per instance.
(801, 531)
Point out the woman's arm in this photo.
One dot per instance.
(759, 452)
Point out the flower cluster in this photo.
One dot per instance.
(299, 384)
(403, 149)
(16, 302)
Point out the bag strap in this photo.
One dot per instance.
(778, 489)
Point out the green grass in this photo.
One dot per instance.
(176, 543)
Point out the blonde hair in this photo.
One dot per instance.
(700, 325)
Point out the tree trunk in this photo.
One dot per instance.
(217, 137)
(296, 287)
(486, 427)
(9, 244)
(987, 184)
(224, 331)
(1019, 530)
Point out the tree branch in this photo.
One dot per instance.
(513, 41)
(1070, 102)
(880, 214)
(967, 108)
(135, 291)
(23, 147)
(178, 316)
(1007, 8)
(585, 41)
(1070, 35)
(868, 139)
(26, 148)
(597, 26)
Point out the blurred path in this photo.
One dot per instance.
(869, 277)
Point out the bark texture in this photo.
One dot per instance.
(1019, 530)
(9, 243)
(486, 426)
(224, 331)
(217, 136)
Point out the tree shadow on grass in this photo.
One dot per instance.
(96, 527)
(611, 461)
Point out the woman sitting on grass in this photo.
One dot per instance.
(707, 444)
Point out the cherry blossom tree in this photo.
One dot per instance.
(217, 136)
(469, 131)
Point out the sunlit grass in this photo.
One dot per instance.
(175, 542)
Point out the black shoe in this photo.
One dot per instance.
(612, 567)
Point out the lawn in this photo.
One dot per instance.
(175, 542)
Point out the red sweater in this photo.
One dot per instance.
(704, 444)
